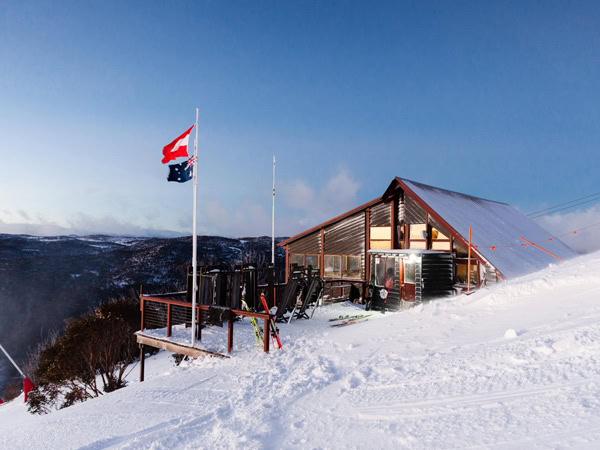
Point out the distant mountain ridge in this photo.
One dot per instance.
(45, 280)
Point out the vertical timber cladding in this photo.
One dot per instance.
(347, 237)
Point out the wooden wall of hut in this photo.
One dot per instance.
(309, 244)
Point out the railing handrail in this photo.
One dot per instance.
(237, 312)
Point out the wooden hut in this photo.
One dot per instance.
(422, 218)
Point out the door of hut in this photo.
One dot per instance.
(408, 293)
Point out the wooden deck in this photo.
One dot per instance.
(165, 344)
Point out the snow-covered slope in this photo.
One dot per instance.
(517, 366)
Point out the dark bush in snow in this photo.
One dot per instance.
(90, 358)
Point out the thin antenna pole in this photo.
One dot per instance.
(273, 219)
(12, 361)
(194, 237)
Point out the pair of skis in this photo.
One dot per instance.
(273, 331)
(348, 322)
(257, 334)
(348, 317)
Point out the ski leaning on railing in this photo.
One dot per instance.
(272, 328)
(257, 334)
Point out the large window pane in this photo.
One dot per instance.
(296, 260)
(418, 231)
(440, 245)
(312, 260)
(352, 267)
(385, 272)
(333, 266)
(385, 245)
(419, 245)
(381, 233)
(409, 272)
(438, 233)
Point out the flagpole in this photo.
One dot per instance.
(195, 238)
(273, 220)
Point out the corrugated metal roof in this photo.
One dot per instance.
(494, 224)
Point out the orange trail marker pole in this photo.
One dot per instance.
(537, 246)
(469, 264)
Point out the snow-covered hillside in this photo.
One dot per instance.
(517, 366)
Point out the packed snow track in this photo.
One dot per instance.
(517, 366)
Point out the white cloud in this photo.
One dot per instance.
(337, 196)
(246, 219)
(585, 241)
(81, 224)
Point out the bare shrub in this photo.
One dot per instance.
(90, 358)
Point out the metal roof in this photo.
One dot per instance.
(493, 224)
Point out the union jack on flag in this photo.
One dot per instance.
(181, 172)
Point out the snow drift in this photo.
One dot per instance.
(512, 367)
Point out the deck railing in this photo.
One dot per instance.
(164, 312)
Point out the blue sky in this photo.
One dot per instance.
(499, 100)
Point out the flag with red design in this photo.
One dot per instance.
(177, 148)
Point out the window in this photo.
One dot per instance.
(385, 271)
(418, 236)
(461, 273)
(296, 259)
(312, 260)
(418, 231)
(440, 238)
(438, 234)
(343, 266)
(380, 237)
(333, 266)
(409, 272)
(352, 267)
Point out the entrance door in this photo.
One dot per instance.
(408, 293)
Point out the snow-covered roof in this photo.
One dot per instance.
(494, 224)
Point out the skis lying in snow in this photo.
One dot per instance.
(272, 328)
(349, 317)
(348, 322)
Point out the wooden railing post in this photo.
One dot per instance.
(230, 335)
(142, 308)
(199, 324)
(142, 362)
(168, 320)
(266, 336)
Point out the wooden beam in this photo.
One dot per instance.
(230, 336)
(266, 336)
(175, 348)
(287, 263)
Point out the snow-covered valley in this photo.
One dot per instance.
(517, 366)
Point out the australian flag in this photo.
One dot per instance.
(182, 172)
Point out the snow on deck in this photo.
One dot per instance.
(516, 366)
